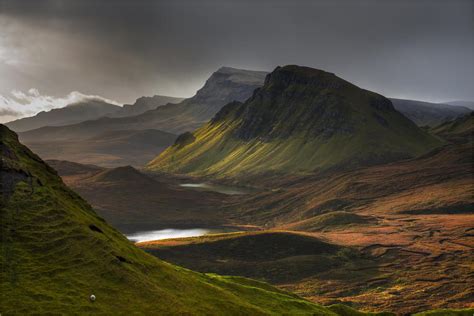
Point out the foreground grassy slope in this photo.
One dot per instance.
(301, 120)
(56, 252)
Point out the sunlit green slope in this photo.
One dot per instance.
(301, 120)
(56, 252)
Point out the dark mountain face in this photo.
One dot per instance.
(302, 119)
(298, 100)
(71, 114)
(428, 114)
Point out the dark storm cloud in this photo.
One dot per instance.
(125, 49)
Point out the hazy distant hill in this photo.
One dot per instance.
(426, 113)
(467, 104)
(56, 252)
(301, 120)
(71, 114)
(109, 149)
(144, 104)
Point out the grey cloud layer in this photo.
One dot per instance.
(125, 49)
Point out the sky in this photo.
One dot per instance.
(56, 50)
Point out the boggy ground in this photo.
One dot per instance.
(404, 264)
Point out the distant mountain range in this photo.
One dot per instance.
(90, 141)
(82, 132)
(144, 104)
(88, 110)
(224, 86)
(429, 114)
(301, 120)
(467, 104)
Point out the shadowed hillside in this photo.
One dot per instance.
(109, 149)
(302, 120)
(56, 252)
(133, 201)
(277, 257)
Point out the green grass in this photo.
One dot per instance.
(56, 252)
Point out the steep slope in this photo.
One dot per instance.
(108, 149)
(71, 114)
(301, 120)
(428, 114)
(144, 104)
(224, 86)
(56, 252)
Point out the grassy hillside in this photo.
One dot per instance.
(56, 252)
(301, 120)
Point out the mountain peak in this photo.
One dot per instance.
(306, 76)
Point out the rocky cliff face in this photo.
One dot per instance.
(225, 85)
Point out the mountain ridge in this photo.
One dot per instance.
(70, 114)
(427, 113)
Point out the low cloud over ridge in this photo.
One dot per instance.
(22, 104)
